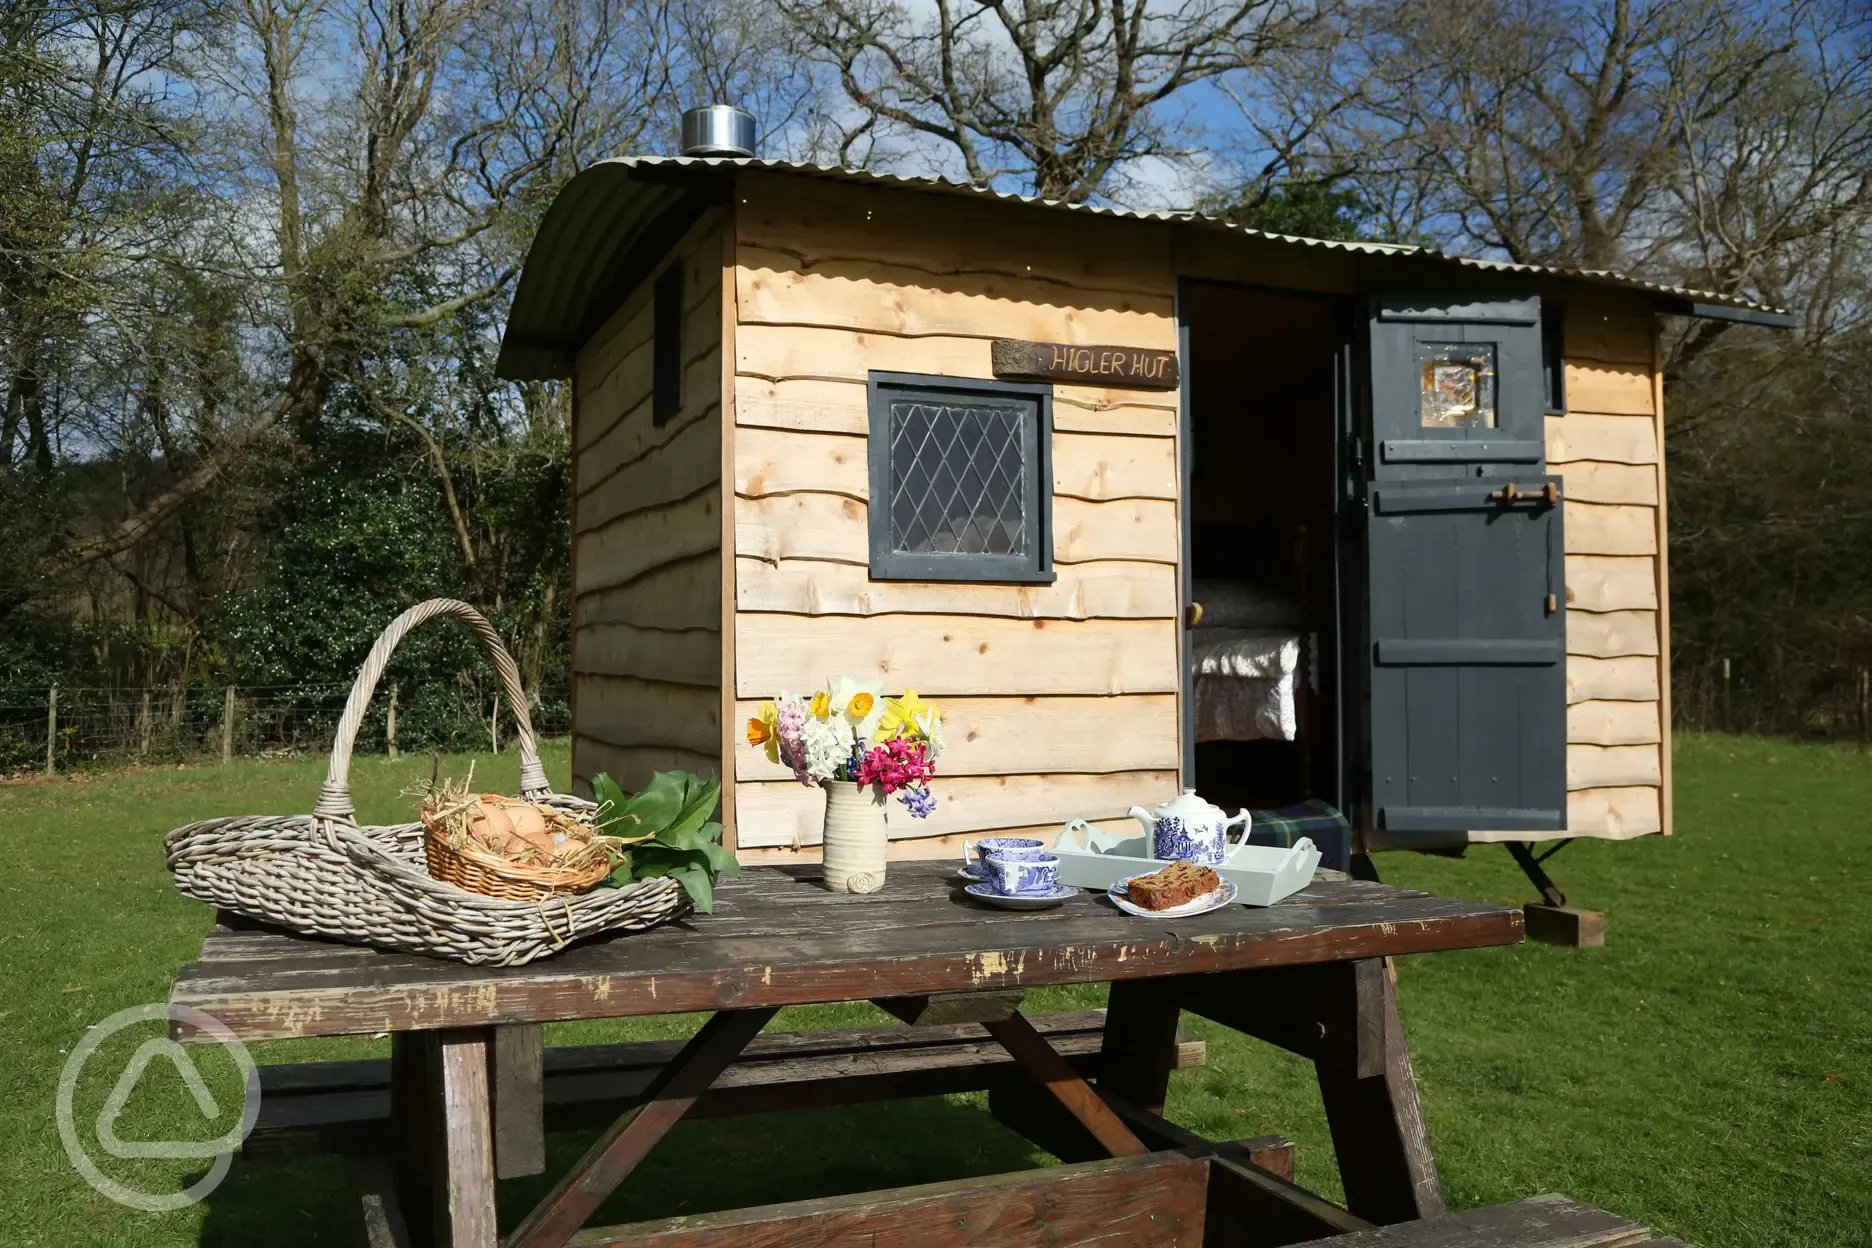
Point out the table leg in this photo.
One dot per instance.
(413, 1128)
(467, 1216)
(617, 1152)
(1139, 1049)
(1343, 1016)
(1376, 1119)
(517, 1076)
(1039, 1059)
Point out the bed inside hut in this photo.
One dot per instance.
(1262, 648)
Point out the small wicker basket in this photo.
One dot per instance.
(325, 875)
(479, 871)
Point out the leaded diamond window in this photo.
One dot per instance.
(960, 486)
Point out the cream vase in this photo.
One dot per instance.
(857, 837)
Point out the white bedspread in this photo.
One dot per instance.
(1245, 684)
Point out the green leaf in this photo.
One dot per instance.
(610, 799)
(720, 858)
(660, 802)
(699, 884)
(683, 838)
(653, 860)
(700, 801)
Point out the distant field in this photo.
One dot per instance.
(1709, 1072)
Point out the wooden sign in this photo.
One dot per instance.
(1137, 368)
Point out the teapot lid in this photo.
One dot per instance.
(1186, 805)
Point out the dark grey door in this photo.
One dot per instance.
(1466, 666)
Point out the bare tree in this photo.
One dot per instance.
(1063, 96)
(1684, 138)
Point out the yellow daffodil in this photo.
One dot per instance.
(861, 705)
(821, 707)
(763, 730)
(901, 715)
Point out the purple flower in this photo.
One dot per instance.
(919, 801)
(790, 727)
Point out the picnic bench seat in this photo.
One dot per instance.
(1550, 1221)
(344, 1106)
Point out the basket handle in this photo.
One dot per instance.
(334, 801)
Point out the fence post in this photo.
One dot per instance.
(227, 726)
(143, 726)
(390, 723)
(494, 727)
(1727, 727)
(51, 731)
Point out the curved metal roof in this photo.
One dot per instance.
(610, 224)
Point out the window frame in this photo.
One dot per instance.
(888, 564)
(666, 344)
(1553, 357)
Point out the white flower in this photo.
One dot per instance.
(843, 689)
(828, 745)
(929, 723)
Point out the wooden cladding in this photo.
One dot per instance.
(1139, 367)
(647, 549)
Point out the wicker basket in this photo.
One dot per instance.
(325, 875)
(478, 871)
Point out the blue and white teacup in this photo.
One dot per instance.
(975, 853)
(1023, 872)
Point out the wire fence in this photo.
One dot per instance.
(59, 728)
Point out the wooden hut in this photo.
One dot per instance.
(1433, 488)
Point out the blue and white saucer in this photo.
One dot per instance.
(1021, 901)
(973, 872)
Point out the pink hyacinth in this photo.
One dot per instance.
(896, 764)
(790, 727)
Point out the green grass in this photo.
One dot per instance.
(1708, 1072)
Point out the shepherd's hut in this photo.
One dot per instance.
(1144, 500)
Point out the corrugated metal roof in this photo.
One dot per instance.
(577, 257)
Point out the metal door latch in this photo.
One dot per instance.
(1511, 493)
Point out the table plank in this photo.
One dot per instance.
(781, 940)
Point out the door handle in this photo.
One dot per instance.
(1511, 493)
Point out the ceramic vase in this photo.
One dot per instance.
(857, 837)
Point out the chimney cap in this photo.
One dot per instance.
(717, 130)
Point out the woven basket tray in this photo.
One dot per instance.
(325, 875)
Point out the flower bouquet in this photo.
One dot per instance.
(862, 749)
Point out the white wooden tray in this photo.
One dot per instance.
(1263, 874)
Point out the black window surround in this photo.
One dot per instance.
(1553, 356)
(666, 348)
(961, 479)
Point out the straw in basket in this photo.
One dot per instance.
(326, 875)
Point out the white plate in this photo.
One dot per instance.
(1020, 901)
(1196, 905)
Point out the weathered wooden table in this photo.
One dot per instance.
(465, 1089)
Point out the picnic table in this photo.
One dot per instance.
(470, 1091)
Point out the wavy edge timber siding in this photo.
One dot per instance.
(1608, 449)
(647, 537)
(825, 292)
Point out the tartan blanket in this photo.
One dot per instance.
(1313, 818)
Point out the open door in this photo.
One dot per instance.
(1465, 644)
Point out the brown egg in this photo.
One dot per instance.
(528, 822)
(489, 824)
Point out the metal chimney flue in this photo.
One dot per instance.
(717, 130)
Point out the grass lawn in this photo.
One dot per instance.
(1709, 1072)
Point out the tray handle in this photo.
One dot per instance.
(334, 800)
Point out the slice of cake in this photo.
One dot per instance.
(1177, 883)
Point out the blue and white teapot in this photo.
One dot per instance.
(1189, 828)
